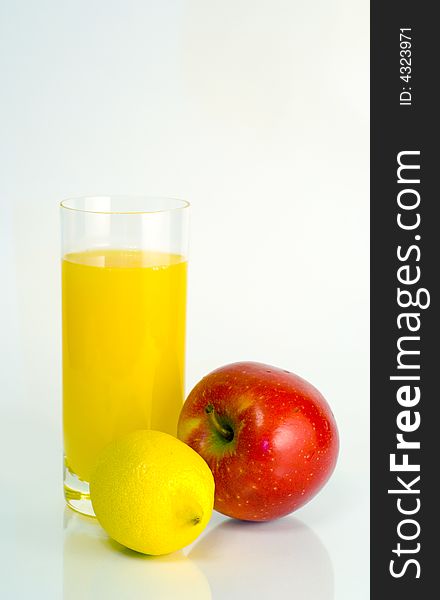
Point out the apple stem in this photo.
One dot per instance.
(225, 432)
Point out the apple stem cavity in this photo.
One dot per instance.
(224, 431)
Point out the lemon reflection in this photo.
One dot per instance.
(96, 567)
(282, 559)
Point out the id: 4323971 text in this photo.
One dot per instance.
(405, 66)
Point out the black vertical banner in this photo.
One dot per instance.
(405, 392)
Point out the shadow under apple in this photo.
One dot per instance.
(279, 559)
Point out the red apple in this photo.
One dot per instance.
(268, 436)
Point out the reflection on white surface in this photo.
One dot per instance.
(94, 567)
(281, 559)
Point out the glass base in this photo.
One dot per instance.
(77, 493)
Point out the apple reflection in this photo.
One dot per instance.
(278, 559)
(96, 567)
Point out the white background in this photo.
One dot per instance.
(256, 112)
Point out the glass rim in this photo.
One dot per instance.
(68, 204)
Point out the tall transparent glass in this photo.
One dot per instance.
(123, 304)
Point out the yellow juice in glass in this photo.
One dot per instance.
(123, 348)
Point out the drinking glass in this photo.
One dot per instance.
(124, 263)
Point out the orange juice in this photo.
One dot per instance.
(123, 348)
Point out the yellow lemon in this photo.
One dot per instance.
(151, 492)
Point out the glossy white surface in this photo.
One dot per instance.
(257, 112)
